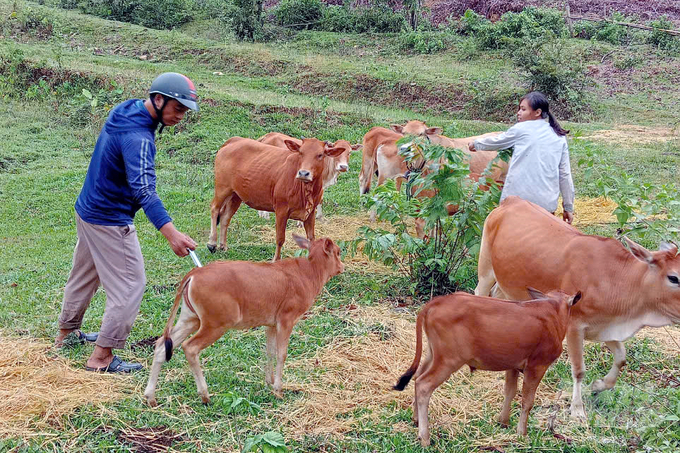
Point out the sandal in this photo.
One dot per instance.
(117, 366)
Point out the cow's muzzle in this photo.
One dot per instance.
(304, 175)
(343, 168)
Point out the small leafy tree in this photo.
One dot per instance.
(645, 210)
(445, 260)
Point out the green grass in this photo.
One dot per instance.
(47, 139)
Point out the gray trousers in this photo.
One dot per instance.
(110, 256)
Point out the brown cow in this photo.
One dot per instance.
(392, 165)
(523, 244)
(266, 179)
(379, 137)
(333, 166)
(487, 334)
(242, 295)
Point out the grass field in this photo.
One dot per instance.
(359, 337)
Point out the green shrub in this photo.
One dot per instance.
(661, 39)
(378, 19)
(605, 31)
(245, 19)
(374, 19)
(424, 42)
(299, 14)
(159, 14)
(338, 19)
(557, 71)
(445, 261)
(531, 23)
(647, 211)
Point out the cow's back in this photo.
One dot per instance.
(505, 333)
(531, 247)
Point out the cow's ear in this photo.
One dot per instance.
(640, 252)
(302, 242)
(669, 248)
(357, 147)
(578, 296)
(291, 145)
(397, 128)
(328, 246)
(334, 152)
(433, 131)
(535, 294)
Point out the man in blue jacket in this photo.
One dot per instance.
(120, 180)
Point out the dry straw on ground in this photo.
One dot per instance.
(37, 388)
(590, 211)
(634, 135)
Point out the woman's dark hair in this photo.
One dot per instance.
(538, 100)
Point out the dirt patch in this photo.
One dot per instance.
(633, 135)
(352, 87)
(668, 338)
(146, 343)
(37, 387)
(149, 440)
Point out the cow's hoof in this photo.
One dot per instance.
(152, 402)
(425, 442)
(278, 394)
(578, 413)
(598, 386)
(223, 248)
(212, 248)
(205, 399)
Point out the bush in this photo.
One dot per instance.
(661, 39)
(446, 260)
(424, 42)
(245, 19)
(299, 14)
(649, 212)
(605, 31)
(374, 19)
(531, 23)
(159, 14)
(555, 70)
(492, 100)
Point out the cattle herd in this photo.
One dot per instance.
(540, 279)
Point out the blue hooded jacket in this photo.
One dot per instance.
(121, 177)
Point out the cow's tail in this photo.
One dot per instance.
(166, 338)
(406, 377)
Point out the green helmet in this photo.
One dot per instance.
(175, 86)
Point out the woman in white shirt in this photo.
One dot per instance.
(539, 169)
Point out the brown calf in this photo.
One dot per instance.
(242, 295)
(487, 334)
(264, 178)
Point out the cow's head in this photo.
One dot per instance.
(342, 161)
(324, 251)
(312, 153)
(415, 128)
(664, 275)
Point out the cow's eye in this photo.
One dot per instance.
(319, 156)
(673, 279)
